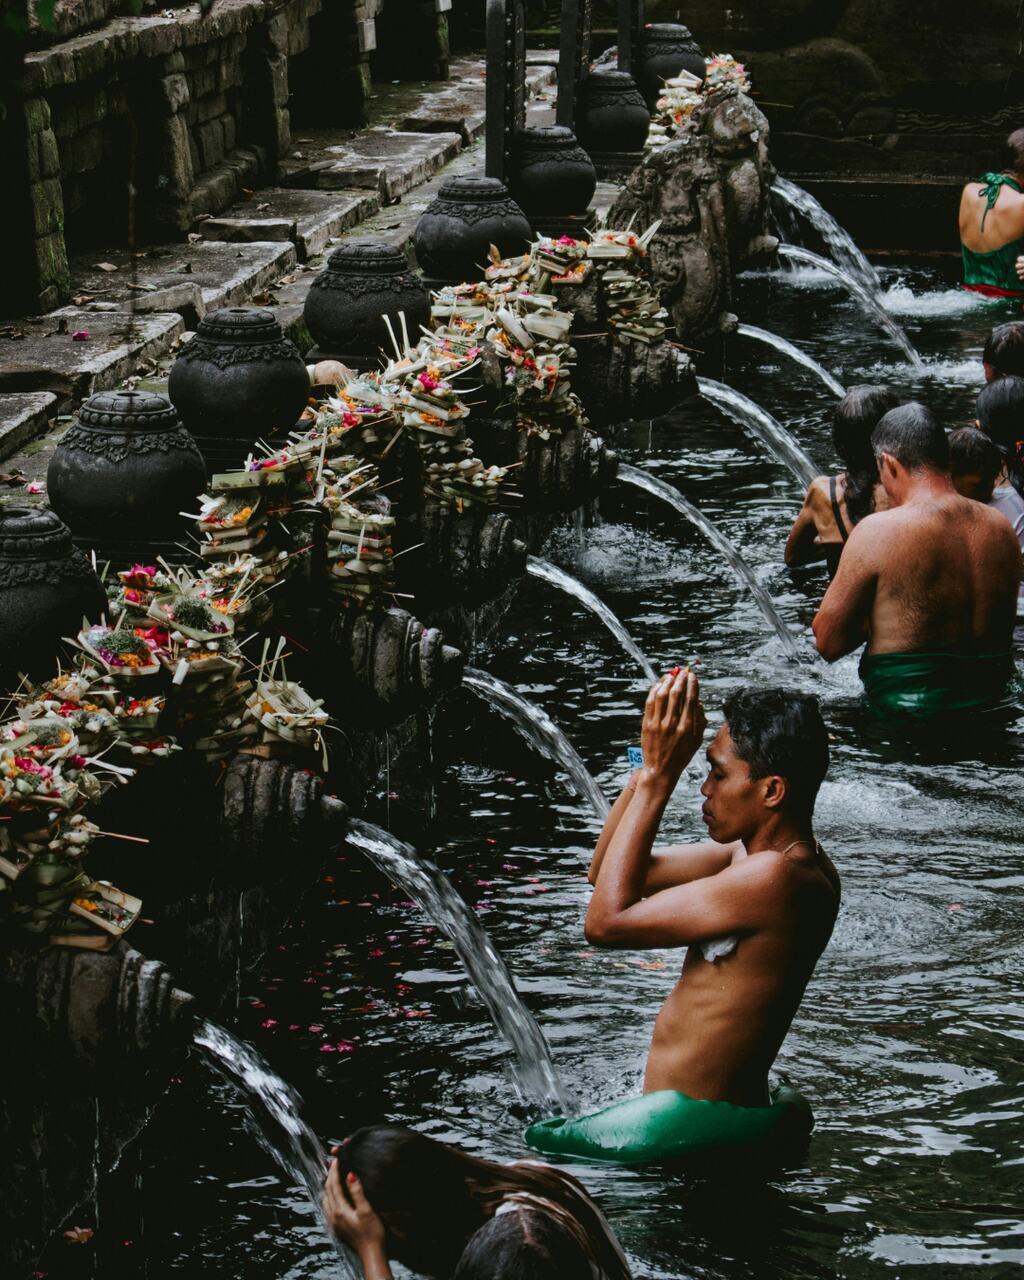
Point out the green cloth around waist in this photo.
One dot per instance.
(996, 269)
(934, 684)
(667, 1125)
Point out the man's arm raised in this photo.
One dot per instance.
(672, 730)
(842, 621)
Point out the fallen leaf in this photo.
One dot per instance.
(141, 288)
(262, 208)
(79, 1235)
(194, 237)
(105, 266)
(14, 478)
(80, 299)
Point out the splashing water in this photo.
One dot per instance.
(772, 434)
(900, 300)
(273, 1119)
(551, 573)
(540, 731)
(837, 239)
(868, 301)
(534, 1069)
(659, 489)
(788, 349)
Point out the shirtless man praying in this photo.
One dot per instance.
(754, 907)
(929, 584)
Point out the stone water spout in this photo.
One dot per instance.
(472, 555)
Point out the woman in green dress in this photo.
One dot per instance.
(992, 227)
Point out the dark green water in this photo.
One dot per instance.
(910, 1043)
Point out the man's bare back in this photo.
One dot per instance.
(938, 572)
(724, 1021)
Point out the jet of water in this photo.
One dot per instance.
(788, 349)
(653, 485)
(772, 434)
(837, 239)
(273, 1119)
(539, 730)
(869, 302)
(535, 1074)
(551, 573)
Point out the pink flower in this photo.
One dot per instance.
(427, 382)
(268, 1023)
(80, 335)
(327, 1048)
(34, 486)
(316, 1028)
(376, 952)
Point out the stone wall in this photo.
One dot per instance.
(195, 107)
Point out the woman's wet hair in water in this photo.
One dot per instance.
(972, 453)
(1004, 349)
(780, 731)
(912, 435)
(433, 1198)
(523, 1245)
(1000, 410)
(855, 418)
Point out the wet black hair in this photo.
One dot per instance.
(780, 731)
(856, 416)
(1004, 349)
(912, 435)
(1000, 410)
(971, 452)
(525, 1244)
(432, 1198)
(1014, 152)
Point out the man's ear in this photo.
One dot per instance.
(776, 789)
(887, 465)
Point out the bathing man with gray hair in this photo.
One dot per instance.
(929, 586)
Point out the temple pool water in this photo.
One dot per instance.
(910, 1043)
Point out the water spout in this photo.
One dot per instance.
(772, 434)
(837, 239)
(868, 301)
(273, 1119)
(551, 573)
(539, 730)
(651, 484)
(428, 886)
(788, 349)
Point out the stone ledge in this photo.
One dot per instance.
(309, 219)
(386, 161)
(46, 360)
(227, 274)
(23, 416)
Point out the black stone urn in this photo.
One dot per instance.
(612, 121)
(666, 48)
(365, 281)
(552, 175)
(239, 379)
(125, 469)
(470, 214)
(46, 588)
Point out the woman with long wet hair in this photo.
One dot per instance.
(834, 504)
(395, 1193)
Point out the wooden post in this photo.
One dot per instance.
(573, 57)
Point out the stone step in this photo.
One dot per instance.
(309, 219)
(387, 161)
(227, 275)
(23, 416)
(50, 358)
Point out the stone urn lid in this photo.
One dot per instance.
(242, 326)
(33, 533)
(673, 31)
(132, 411)
(364, 256)
(474, 189)
(547, 137)
(611, 80)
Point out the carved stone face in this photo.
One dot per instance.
(738, 132)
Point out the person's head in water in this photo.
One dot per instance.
(433, 1198)
(909, 442)
(1000, 410)
(1004, 349)
(1013, 154)
(766, 761)
(974, 463)
(523, 1245)
(856, 416)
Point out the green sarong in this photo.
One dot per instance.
(668, 1126)
(923, 685)
(994, 272)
